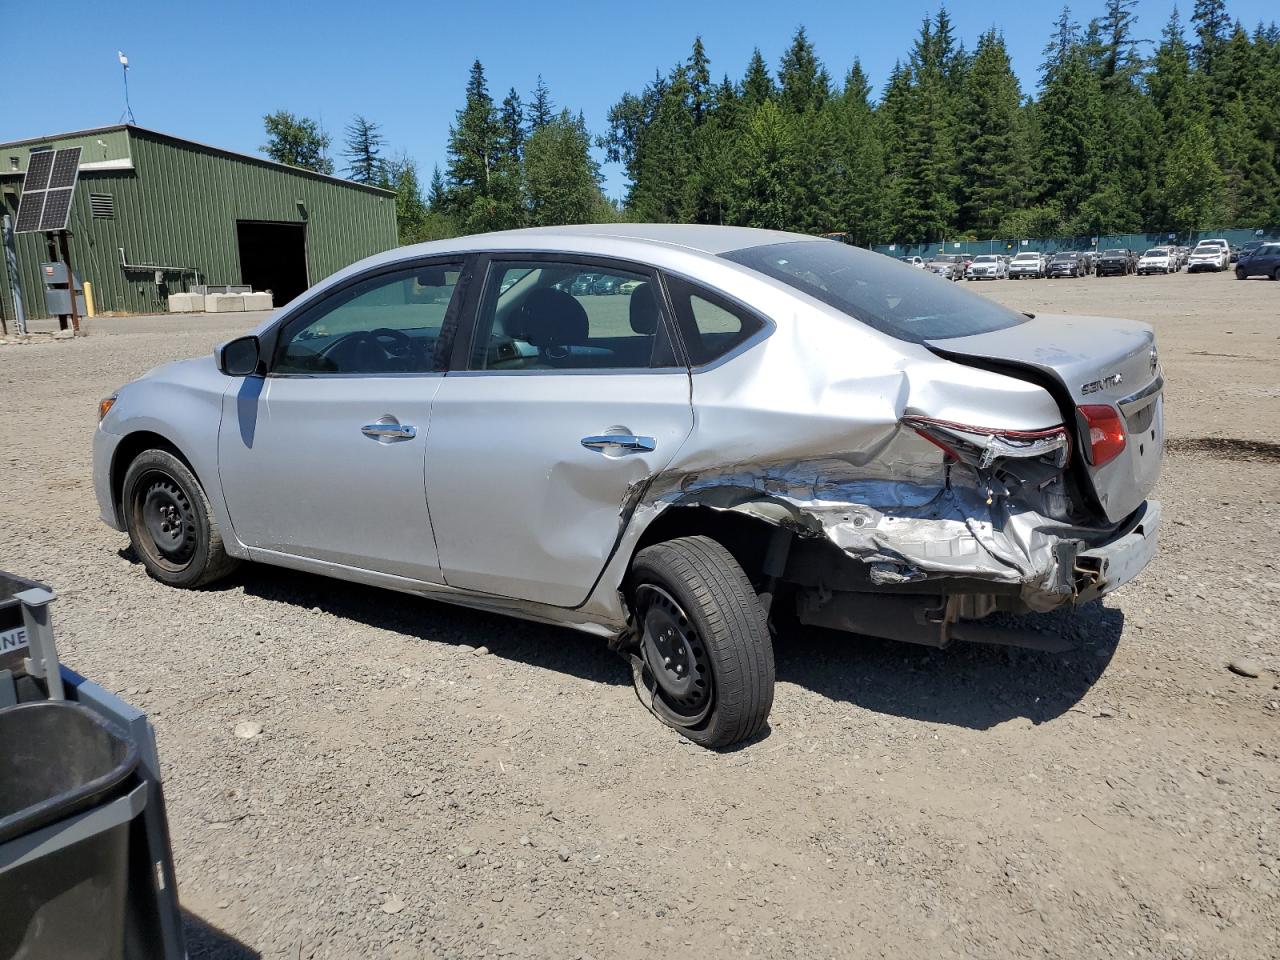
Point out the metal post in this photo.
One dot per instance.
(43, 663)
(11, 274)
(71, 282)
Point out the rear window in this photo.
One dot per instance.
(907, 304)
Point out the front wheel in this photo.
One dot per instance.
(705, 663)
(170, 523)
(1240, 274)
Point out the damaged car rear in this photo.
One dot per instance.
(753, 428)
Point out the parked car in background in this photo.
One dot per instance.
(1066, 263)
(1247, 250)
(1027, 265)
(948, 265)
(607, 285)
(1264, 261)
(1115, 262)
(812, 431)
(913, 261)
(1209, 255)
(987, 266)
(1157, 260)
(1235, 252)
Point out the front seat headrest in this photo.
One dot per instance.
(644, 310)
(552, 318)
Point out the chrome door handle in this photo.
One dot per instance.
(626, 441)
(388, 431)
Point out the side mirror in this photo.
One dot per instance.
(239, 357)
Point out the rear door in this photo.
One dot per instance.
(558, 410)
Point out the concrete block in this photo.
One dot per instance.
(258, 301)
(224, 303)
(186, 303)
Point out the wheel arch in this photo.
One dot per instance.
(128, 449)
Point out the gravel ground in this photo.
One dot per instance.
(410, 795)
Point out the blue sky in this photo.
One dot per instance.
(210, 70)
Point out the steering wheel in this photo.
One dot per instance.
(401, 345)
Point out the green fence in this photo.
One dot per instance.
(1134, 241)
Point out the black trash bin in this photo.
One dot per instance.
(68, 795)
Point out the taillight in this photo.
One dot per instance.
(1106, 432)
(982, 446)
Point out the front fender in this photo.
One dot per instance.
(185, 414)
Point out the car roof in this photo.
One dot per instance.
(703, 238)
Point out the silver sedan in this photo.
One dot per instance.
(750, 428)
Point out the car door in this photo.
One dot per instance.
(323, 458)
(560, 406)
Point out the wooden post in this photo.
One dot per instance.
(71, 282)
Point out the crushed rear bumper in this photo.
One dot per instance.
(1103, 568)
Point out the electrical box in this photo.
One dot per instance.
(57, 293)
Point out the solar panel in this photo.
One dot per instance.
(39, 166)
(57, 207)
(66, 164)
(47, 190)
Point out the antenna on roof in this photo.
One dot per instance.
(124, 67)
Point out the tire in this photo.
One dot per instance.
(1275, 275)
(696, 608)
(1240, 274)
(170, 523)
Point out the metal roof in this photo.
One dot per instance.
(146, 131)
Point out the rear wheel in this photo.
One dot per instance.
(170, 523)
(1240, 274)
(1276, 274)
(705, 663)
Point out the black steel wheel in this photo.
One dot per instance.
(704, 660)
(170, 523)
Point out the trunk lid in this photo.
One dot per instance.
(1087, 360)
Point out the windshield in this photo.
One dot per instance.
(985, 259)
(1157, 252)
(1209, 246)
(1064, 256)
(1113, 253)
(911, 305)
(1027, 256)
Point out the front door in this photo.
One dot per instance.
(568, 401)
(323, 457)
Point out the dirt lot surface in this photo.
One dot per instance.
(410, 796)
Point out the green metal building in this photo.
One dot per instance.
(155, 214)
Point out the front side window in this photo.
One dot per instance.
(545, 315)
(388, 323)
(907, 304)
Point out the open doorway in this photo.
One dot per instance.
(273, 256)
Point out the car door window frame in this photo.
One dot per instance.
(272, 338)
(478, 285)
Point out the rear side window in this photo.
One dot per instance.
(562, 315)
(712, 325)
(907, 304)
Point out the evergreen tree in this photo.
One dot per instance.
(481, 194)
(542, 109)
(664, 155)
(698, 71)
(858, 200)
(364, 151)
(993, 161)
(401, 175)
(1211, 25)
(1070, 126)
(757, 85)
(764, 184)
(562, 179)
(803, 81)
(437, 199)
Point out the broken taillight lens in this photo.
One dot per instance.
(1107, 436)
(982, 446)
